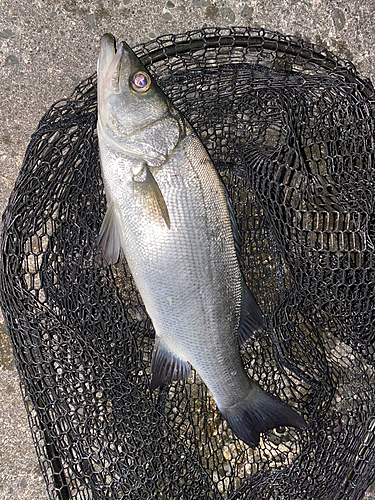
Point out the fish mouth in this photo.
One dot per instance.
(114, 66)
(109, 64)
(111, 79)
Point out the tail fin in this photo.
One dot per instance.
(261, 413)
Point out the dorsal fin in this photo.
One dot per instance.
(251, 317)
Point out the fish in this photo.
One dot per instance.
(168, 213)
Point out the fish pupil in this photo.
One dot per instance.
(141, 82)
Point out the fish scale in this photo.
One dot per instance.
(169, 215)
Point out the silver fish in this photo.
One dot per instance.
(169, 214)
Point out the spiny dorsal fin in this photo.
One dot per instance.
(110, 234)
(236, 233)
(165, 366)
(149, 198)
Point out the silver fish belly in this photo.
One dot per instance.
(168, 213)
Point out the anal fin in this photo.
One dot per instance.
(165, 366)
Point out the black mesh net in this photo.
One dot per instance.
(291, 131)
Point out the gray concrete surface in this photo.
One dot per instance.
(47, 47)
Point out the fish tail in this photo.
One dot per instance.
(260, 413)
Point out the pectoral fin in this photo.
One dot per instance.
(110, 234)
(165, 366)
(149, 198)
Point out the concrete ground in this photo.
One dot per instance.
(47, 47)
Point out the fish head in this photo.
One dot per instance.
(129, 100)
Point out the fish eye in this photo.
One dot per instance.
(140, 82)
